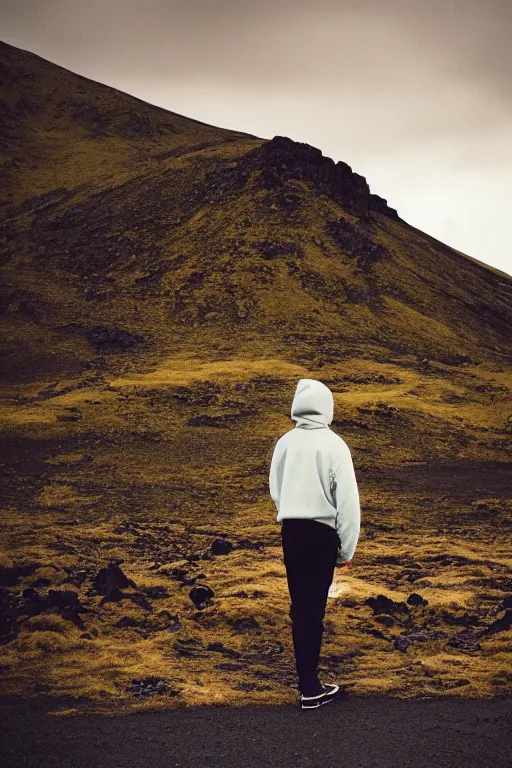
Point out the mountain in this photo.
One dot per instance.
(165, 284)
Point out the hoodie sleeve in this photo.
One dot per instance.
(348, 512)
(272, 478)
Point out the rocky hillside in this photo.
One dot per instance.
(165, 283)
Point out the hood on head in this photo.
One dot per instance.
(313, 404)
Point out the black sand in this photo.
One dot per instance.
(350, 732)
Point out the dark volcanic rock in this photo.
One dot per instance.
(221, 547)
(112, 339)
(416, 599)
(383, 604)
(273, 249)
(9, 610)
(190, 647)
(76, 576)
(505, 603)
(464, 618)
(244, 625)
(110, 578)
(465, 640)
(10, 576)
(503, 623)
(282, 158)
(402, 642)
(354, 240)
(129, 621)
(201, 596)
(149, 686)
(155, 593)
(63, 597)
(34, 602)
(69, 605)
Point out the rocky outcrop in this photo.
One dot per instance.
(282, 158)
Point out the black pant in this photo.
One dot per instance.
(310, 550)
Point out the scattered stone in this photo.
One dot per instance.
(129, 621)
(112, 339)
(416, 599)
(465, 640)
(156, 593)
(76, 576)
(221, 547)
(402, 642)
(249, 544)
(192, 558)
(10, 576)
(354, 240)
(110, 578)
(148, 686)
(383, 604)
(60, 598)
(386, 620)
(34, 602)
(168, 621)
(273, 249)
(69, 605)
(201, 596)
(505, 603)
(189, 647)
(464, 618)
(69, 416)
(13, 608)
(126, 526)
(501, 624)
(244, 625)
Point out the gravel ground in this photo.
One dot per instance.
(350, 732)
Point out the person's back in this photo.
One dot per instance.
(311, 474)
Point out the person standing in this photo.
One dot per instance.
(313, 485)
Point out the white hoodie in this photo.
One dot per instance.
(311, 472)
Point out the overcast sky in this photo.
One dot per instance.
(416, 96)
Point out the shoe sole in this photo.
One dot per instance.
(313, 702)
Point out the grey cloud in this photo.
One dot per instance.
(468, 39)
(393, 88)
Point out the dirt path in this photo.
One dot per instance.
(350, 732)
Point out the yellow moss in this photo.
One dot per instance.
(48, 622)
(56, 495)
(66, 458)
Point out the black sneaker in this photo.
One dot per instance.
(312, 702)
